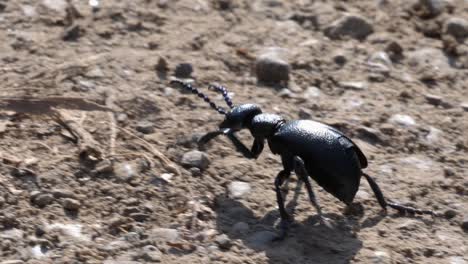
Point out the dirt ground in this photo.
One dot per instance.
(113, 189)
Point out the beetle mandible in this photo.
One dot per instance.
(309, 148)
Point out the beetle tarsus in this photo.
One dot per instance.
(401, 208)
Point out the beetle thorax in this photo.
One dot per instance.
(265, 125)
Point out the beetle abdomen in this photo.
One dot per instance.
(330, 158)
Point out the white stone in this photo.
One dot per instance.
(237, 189)
(403, 120)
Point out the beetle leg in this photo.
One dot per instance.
(288, 165)
(304, 176)
(285, 218)
(383, 203)
(257, 146)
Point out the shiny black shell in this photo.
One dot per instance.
(333, 160)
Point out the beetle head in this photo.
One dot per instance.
(240, 117)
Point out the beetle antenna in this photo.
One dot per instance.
(205, 98)
(223, 91)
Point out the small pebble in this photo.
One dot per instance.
(72, 33)
(164, 234)
(223, 242)
(13, 261)
(63, 193)
(183, 70)
(403, 120)
(139, 217)
(71, 204)
(353, 26)
(151, 253)
(464, 106)
(145, 127)
(42, 199)
(285, 93)
(464, 223)
(380, 257)
(354, 85)
(237, 189)
(340, 59)
(195, 159)
(312, 92)
(432, 8)
(450, 213)
(433, 99)
(456, 27)
(271, 67)
(124, 171)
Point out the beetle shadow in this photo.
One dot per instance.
(307, 241)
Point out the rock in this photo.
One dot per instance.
(38, 251)
(140, 217)
(464, 106)
(225, 4)
(403, 120)
(145, 127)
(433, 99)
(183, 70)
(12, 261)
(125, 171)
(132, 237)
(434, 136)
(42, 199)
(63, 193)
(237, 189)
(285, 93)
(71, 204)
(195, 172)
(450, 213)
(353, 26)
(312, 92)
(2, 201)
(151, 253)
(428, 58)
(12, 234)
(56, 5)
(380, 62)
(464, 223)
(380, 257)
(72, 33)
(195, 159)
(456, 27)
(271, 67)
(371, 135)
(409, 225)
(354, 85)
(394, 51)
(240, 228)
(164, 234)
(262, 238)
(340, 59)
(432, 8)
(167, 177)
(223, 242)
(68, 230)
(116, 246)
(457, 260)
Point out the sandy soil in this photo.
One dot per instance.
(400, 93)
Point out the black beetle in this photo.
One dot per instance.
(309, 148)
